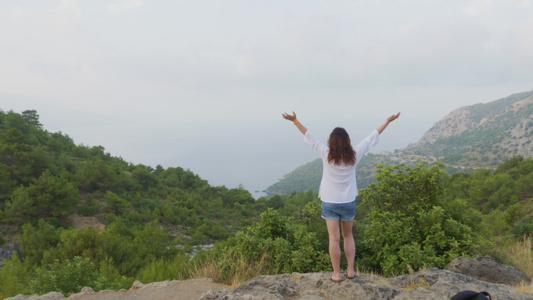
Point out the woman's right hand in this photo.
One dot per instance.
(393, 117)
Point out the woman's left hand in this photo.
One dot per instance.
(291, 118)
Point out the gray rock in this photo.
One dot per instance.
(5, 254)
(87, 290)
(443, 284)
(52, 295)
(214, 294)
(22, 297)
(136, 285)
(432, 284)
(487, 269)
(269, 284)
(310, 286)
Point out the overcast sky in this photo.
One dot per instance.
(202, 84)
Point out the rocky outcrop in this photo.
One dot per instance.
(164, 290)
(487, 269)
(434, 284)
(455, 123)
(467, 118)
(6, 254)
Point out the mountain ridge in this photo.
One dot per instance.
(482, 135)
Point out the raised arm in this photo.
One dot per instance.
(389, 119)
(293, 119)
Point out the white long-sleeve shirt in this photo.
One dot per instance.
(339, 184)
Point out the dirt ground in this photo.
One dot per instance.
(166, 290)
(80, 221)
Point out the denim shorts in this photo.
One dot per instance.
(335, 211)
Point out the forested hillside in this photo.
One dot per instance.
(46, 176)
(477, 136)
(65, 206)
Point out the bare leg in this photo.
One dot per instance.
(349, 246)
(334, 248)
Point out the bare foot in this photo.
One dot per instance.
(336, 278)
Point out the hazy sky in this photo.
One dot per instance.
(202, 84)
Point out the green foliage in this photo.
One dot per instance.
(49, 195)
(177, 268)
(37, 240)
(66, 278)
(306, 177)
(513, 214)
(89, 208)
(511, 183)
(496, 222)
(114, 204)
(95, 174)
(21, 208)
(523, 228)
(286, 244)
(287, 205)
(410, 224)
(109, 278)
(144, 176)
(46, 175)
(13, 277)
(7, 184)
(72, 243)
(31, 117)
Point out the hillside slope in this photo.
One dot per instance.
(477, 136)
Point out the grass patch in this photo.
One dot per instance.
(524, 288)
(522, 254)
(241, 270)
(411, 285)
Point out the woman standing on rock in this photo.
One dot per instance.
(338, 187)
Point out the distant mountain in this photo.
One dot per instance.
(477, 136)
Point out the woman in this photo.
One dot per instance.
(338, 187)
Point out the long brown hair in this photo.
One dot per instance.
(340, 148)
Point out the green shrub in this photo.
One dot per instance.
(109, 277)
(14, 278)
(89, 208)
(66, 277)
(523, 227)
(275, 245)
(496, 222)
(410, 226)
(177, 268)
